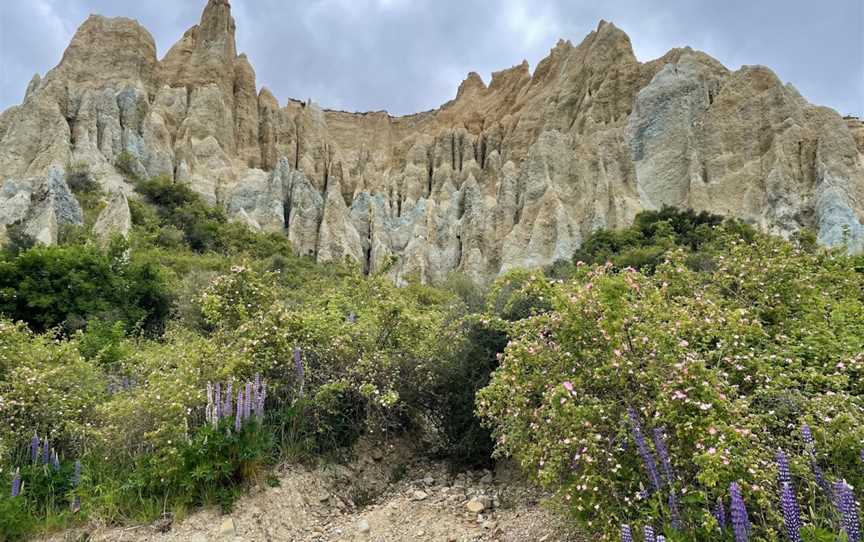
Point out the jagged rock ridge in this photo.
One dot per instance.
(513, 174)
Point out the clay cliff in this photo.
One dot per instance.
(511, 174)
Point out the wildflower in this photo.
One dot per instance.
(740, 521)
(720, 513)
(76, 474)
(227, 410)
(649, 534)
(76, 504)
(644, 451)
(626, 534)
(217, 402)
(16, 483)
(663, 454)
(238, 417)
(783, 476)
(791, 513)
(46, 452)
(34, 447)
(55, 460)
(814, 462)
(568, 385)
(807, 436)
(660, 538)
(247, 404)
(673, 510)
(845, 502)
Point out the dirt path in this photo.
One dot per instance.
(380, 497)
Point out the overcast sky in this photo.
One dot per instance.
(410, 55)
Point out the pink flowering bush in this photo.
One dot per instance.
(727, 364)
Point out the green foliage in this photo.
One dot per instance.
(211, 466)
(17, 240)
(46, 498)
(183, 217)
(69, 285)
(103, 341)
(518, 294)
(731, 362)
(644, 245)
(368, 339)
(463, 439)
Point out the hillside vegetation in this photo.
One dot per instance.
(644, 383)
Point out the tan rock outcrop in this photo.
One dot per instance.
(511, 174)
(115, 219)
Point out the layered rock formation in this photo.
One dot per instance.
(513, 174)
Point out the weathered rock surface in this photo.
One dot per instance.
(513, 174)
(115, 218)
(41, 205)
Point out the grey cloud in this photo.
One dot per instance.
(410, 55)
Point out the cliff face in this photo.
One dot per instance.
(513, 174)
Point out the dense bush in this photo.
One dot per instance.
(182, 217)
(728, 365)
(644, 244)
(462, 439)
(378, 342)
(69, 285)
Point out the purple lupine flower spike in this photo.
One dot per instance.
(16, 483)
(55, 460)
(644, 451)
(247, 404)
(228, 411)
(76, 474)
(661, 538)
(46, 452)
(807, 436)
(673, 510)
(238, 417)
(862, 455)
(217, 401)
(76, 504)
(720, 513)
(626, 534)
(740, 520)
(649, 534)
(848, 508)
(783, 475)
(663, 454)
(810, 445)
(34, 447)
(791, 513)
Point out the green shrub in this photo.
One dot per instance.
(211, 466)
(17, 240)
(47, 387)
(69, 285)
(730, 364)
(644, 245)
(464, 441)
(103, 341)
(518, 294)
